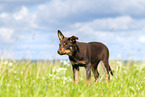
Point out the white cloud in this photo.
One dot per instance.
(24, 19)
(85, 8)
(6, 34)
(142, 39)
(118, 23)
(22, 14)
(62, 13)
(20, 21)
(3, 15)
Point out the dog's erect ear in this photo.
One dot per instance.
(73, 39)
(60, 35)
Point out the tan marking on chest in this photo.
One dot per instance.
(72, 62)
(81, 62)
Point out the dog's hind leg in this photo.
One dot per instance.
(106, 68)
(95, 70)
(88, 74)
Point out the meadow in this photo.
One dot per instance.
(54, 79)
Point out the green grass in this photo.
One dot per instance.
(47, 79)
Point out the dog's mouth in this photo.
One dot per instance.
(64, 52)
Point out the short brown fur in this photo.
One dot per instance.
(87, 55)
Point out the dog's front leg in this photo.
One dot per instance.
(88, 74)
(76, 74)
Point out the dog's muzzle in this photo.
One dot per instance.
(64, 51)
(60, 52)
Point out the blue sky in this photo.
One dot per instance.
(28, 29)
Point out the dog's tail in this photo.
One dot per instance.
(110, 71)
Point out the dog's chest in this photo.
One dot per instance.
(77, 61)
(81, 57)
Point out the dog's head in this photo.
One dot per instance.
(67, 44)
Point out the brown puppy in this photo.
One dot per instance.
(87, 55)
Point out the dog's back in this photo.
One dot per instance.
(98, 51)
(94, 51)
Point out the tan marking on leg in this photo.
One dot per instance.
(107, 76)
(88, 81)
(107, 79)
(96, 81)
(76, 77)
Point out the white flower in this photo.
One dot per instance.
(11, 70)
(65, 62)
(43, 78)
(34, 81)
(62, 69)
(15, 71)
(54, 69)
(139, 67)
(37, 77)
(67, 78)
(18, 79)
(6, 62)
(10, 64)
(51, 75)
(119, 63)
(21, 72)
(57, 77)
